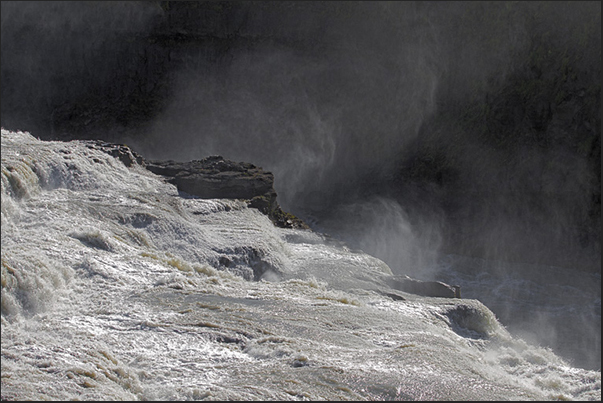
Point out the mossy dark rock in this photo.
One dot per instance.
(286, 220)
(265, 203)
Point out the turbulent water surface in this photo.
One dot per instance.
(115, 286)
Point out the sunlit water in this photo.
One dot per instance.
(115, 286)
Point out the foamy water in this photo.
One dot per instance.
(115, 286)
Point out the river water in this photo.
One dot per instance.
(115, 286)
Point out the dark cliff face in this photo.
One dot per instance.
(481, 118)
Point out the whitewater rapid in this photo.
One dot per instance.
(117, 286)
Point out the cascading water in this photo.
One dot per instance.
(115, 286)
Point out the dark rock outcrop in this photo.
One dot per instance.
(120, 151)
(214, 177)
(217, 178)
(424, 288)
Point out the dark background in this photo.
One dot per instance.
(407, 129)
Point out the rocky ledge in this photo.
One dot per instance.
(120, 151)
(217, 178)
(212, 178)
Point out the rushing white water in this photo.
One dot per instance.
(115, 286)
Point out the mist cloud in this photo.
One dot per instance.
(319, 116)
(333, 97)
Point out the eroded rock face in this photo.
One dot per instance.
(217, 178)
(120, 151)
(214, 177)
